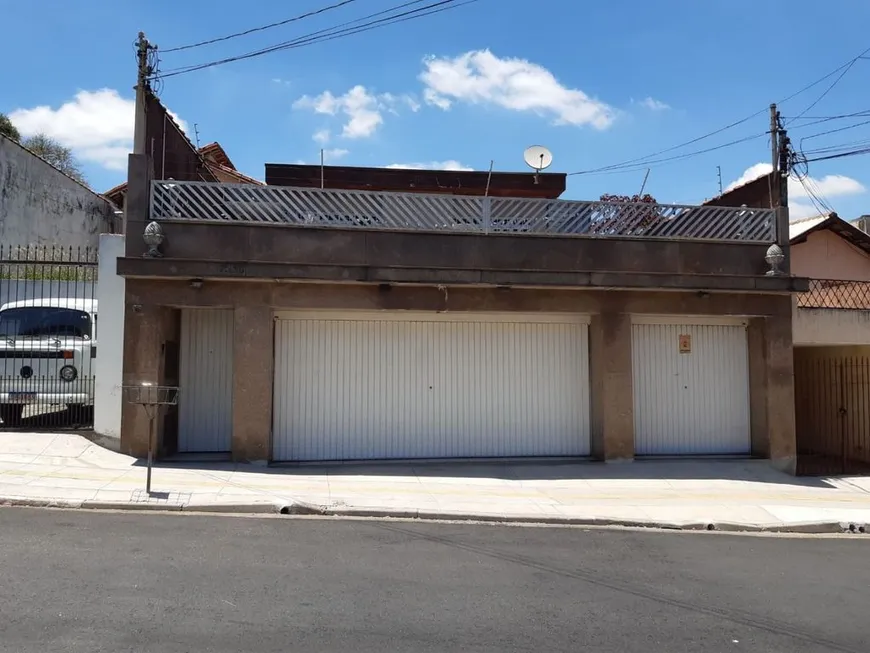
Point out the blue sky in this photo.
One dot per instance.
(597, 83)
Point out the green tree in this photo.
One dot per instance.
(58, 155)
(8, 129)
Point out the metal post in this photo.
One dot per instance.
(150, 453)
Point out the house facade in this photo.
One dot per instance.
(359, 314)
(832, 346)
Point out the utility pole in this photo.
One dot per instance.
(780, 160)
(143, 47)
(774, 134)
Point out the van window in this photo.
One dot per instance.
(44, 321)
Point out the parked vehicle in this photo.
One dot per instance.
(47, 352)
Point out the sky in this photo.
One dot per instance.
(599, 84)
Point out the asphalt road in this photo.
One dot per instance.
(90, 582)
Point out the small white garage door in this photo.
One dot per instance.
(205, 399)
(379, 386)
(691, 387)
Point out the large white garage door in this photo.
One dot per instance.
(691, 388)
(378, 386)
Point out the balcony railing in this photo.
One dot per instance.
(827, 293)
(205, 201)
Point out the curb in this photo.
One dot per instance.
(308, 509)
(821, 527)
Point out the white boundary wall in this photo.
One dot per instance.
(110, 338)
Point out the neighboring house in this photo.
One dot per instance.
(42, 206)
(440, 314)
(214, 159)
(832, 345)
(863, 223)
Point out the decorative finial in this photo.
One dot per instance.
(154, 238)
(774, 258)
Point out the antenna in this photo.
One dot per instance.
(719, 170)
(643, 185)
(489, 178)
(538, 158)
(196, 132)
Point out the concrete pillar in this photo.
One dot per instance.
(137, 208)
(780, 393)
(771, 398)
(110, 338)
(253, 357)
(611, 387)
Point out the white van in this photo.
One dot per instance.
(47, 354)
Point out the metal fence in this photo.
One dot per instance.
(827, 293)
(206, 201)
(832, 409)
(48, 337)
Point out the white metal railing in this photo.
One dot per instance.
(208, 201)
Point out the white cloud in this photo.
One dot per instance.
(362, 109)
(450, 164)
(480, 77)
(96, 125)
(334, 154)
(654, 105)
(322, 136)
(800, 202)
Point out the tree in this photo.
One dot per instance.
(58, 155)
(8, 129)
(626, 215)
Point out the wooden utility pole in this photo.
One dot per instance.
(142, 50)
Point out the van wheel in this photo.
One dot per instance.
(11, 414)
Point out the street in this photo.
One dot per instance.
(89, 582)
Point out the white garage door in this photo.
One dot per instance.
(691, 388)
(205, 400)
(378, 386)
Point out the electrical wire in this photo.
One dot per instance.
(262, 28)
(664, 161)
(338, 31)
(640, 160)
(846, 69)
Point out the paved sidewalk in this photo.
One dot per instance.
(68, 470)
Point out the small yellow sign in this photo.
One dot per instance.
(685, 343)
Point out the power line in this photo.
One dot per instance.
(332, 33)
(641, 166)
(846, 69)
(722, 129)
(865, 150)
(834, 131)
(262, 28)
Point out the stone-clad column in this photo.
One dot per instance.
(611, 387)
(253, 360)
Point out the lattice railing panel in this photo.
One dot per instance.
(828, 293)
(416, 212)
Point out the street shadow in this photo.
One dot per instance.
(642, 469)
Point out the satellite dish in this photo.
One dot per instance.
(538, 157)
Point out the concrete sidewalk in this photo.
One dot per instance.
(67, 470)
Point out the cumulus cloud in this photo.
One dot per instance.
(362, 110)
(450, 164)
(96, 125)
(800, 202)
(654, 105)
(480, 77)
